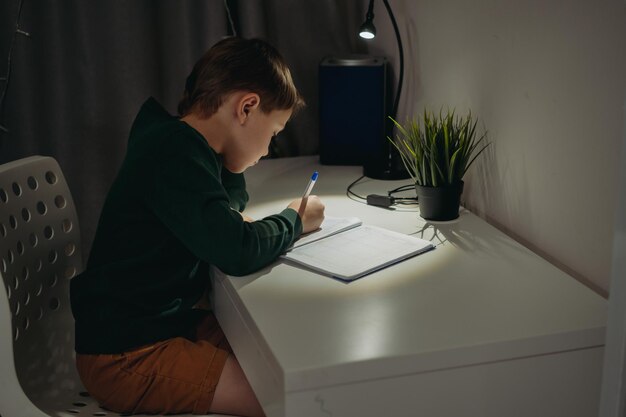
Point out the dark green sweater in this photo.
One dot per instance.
(171, 212)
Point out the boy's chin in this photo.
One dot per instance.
(235, 168)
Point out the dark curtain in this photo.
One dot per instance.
(78, 80)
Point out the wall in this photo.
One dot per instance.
(613, 401)
(548, 80)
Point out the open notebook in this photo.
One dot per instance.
(346, 249)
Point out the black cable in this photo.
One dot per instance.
(352, 194)
(407, 201)
(7, 76)
(381, 200)
(233, 31)
(401, 188)
(402, 200)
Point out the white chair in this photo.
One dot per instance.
(39, 254)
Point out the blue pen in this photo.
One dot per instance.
(309, 187)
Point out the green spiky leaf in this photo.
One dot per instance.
(438, 149)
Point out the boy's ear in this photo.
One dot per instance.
(247, 103)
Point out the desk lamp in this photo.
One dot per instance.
(393, 168)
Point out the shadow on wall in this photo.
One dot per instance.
(489, 185)
(412, 78)
(489, 190)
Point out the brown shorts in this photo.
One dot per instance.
(172, 376)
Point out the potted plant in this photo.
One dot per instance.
(437, 153)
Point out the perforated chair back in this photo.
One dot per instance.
(39, 254)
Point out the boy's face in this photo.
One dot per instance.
(252, 139)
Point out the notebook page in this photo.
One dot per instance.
(330, 226)
(357, 252)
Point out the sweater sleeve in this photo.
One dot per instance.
(235, 186)
(188, 198)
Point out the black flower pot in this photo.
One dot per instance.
(439, 203)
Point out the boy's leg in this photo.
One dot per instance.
(173, 376)
(170, 377)
(233, 394)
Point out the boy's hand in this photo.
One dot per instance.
(311, 212)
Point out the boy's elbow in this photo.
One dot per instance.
(240, 269)
(244, 265)
(247, 255)
(238, 272)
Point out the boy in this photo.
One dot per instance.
(142, 343)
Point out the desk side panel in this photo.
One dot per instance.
(254, 360)
(559, 385)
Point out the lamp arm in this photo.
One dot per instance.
(401, 53)
(370, 11)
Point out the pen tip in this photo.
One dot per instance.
(314, 176)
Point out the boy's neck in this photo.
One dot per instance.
(211, 129)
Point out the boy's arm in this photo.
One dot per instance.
(189, 199)
(235, 186)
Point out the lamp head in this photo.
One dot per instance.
(368, 30)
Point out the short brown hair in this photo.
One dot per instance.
(235, 64)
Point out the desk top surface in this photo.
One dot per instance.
(479, 297)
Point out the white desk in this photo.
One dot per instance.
(481, 326)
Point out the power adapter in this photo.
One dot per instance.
(379, 200)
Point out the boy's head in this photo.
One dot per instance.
(236, 64)
(244, 91)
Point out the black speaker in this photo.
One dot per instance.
(353, 100)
